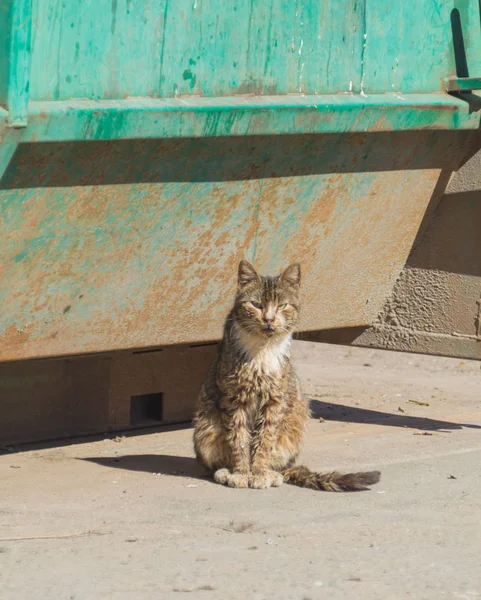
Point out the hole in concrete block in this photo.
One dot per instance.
(146, 409)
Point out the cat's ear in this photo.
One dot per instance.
(292, 275)
(246, 273)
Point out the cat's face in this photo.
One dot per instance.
(267, 306)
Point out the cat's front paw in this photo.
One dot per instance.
(265, 479)
(238, 480)
(221, 476)
(235, 480)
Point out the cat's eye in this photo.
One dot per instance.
(282, 306)
(257, 305)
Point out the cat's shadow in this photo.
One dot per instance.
(184, 466)
(161, 464)
(351, 414)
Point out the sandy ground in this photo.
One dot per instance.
(135, 519)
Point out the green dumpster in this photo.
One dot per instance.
(147, 146)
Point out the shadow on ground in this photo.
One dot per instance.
(89, 438)
(163, 464)
(352, 414)
(183, 466)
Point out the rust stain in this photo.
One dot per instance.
(380, 125)
(151, 263)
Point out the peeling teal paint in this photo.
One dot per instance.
(159, 228)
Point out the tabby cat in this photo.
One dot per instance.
(251, 416)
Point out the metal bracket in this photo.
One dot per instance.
(462, 84)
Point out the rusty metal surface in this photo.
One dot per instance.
(123, 245)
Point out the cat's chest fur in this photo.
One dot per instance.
(258, 372)
(260, 357)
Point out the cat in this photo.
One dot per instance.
(251, 416)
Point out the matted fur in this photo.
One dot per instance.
(251, 416)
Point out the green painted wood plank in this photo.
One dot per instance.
(214, 48)
(5, 28)
(408, 46)
(91, 50)
(198, 117)
(18, 82)
(166, 48)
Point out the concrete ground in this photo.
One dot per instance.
(133, 518)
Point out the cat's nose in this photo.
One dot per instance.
(269, 320)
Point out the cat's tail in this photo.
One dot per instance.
(330, 482)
